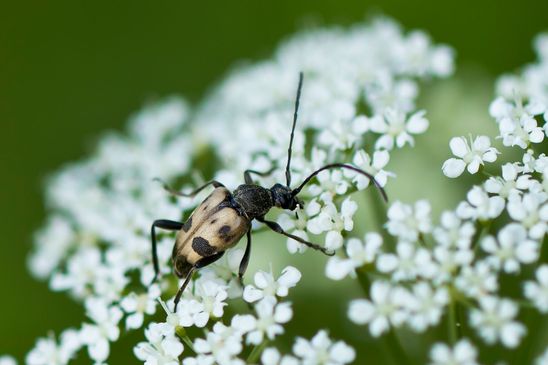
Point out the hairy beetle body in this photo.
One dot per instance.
(213, 227)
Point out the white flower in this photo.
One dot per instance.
(271, 356)
(297, 224)
(419, 58)
(269, 320)
(53, 241)
(219, 347)
(7, 360)
(396, 129)
(322, 351)
(494, 321)
(387, 91)
(136, 305)
(48, 352)
(478, 280)
(425, 306)
(224, 272)
(372, 166)
(520, 132)
(537, 291)
(104, 330)
(359, 253)
(338, 136)
(464, 353)
(266, 286)
(209, 302)
(509, 183)
(453, 232)
(480, 206)
(408, 222)
(330, 183)
(531, 210)
(333, 222)
(510, 249)
(542, 359)
(384, 309)
(469, 156)
(162, 347)
(408, 263)
(448, 260)
(82, 271)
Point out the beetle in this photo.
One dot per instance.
(223, 218)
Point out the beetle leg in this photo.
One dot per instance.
(164, 224)
(249, 180)
(172, 191)
(182, 288)
(208, 260)
(201, 263)
(276, 228)
(245, 259)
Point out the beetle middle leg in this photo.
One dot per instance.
(164, 224)
(278, 229)
(172, 191)
(201, 263)
(245, 259)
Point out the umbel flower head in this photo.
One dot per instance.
(358, 107)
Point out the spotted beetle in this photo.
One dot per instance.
(219, 222)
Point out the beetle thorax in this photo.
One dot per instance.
(254, 200)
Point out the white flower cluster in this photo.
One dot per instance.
(464, 261)
(319, 350)
(417, 273)
(358, 106)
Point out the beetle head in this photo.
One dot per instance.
(283, 198)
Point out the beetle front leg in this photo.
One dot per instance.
(245, 259)
(278, 229)
(164, 224)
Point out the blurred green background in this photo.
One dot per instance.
(70, 70)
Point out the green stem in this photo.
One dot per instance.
(256, 352)
(524, 304)
(486, 174)
(183, 336)
(482, 229)
(452, 318)
(395, 349)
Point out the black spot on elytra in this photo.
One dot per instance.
(202, 247)
(224, 230)
(187, 225)
(213, 221)
(224, 233)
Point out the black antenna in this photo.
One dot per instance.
(297, 190)
(299, 88)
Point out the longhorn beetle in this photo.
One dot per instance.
(219, 222)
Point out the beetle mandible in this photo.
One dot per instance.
(219, 222)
